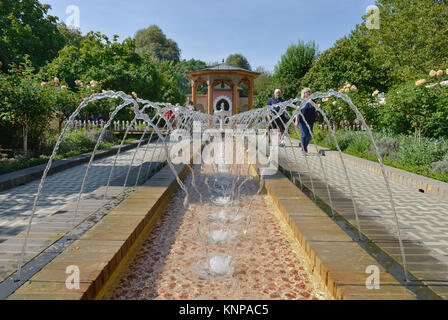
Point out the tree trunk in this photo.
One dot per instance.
(415, 136)
(25, 138)
(61, 121)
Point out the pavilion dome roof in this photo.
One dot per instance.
(223, 67)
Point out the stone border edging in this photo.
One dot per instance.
(428, 185)
(20, 177)
(338, 261)
(101, 251)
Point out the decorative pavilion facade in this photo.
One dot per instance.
(223, 91)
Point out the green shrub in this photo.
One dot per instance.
(361, 143)
(422, 153)
(345, 139)
(387, 147)
(440, 166)
(108, 136)
(77, 141)
(428, 157)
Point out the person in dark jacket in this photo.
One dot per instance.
(306, 119)
(279, 122)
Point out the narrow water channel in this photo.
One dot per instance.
(268, 262)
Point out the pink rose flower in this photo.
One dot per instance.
(420, 82)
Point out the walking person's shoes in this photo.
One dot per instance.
(281, 143)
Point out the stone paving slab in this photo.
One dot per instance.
(100, 251)
(17, 178)
(418, 182)
(55, 219)
(385, 240)
(423, 217)
(338, 260)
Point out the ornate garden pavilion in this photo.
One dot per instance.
(223, 93)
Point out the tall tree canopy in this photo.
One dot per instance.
(293, 65)
(115, 65)
(264, 81)
(186, 66)
(351, 59)
(238, 60)
(27, 29)
(413, 36)
(411, 41)
(153, 41)
(72, 35)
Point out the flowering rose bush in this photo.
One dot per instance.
(420, 108)
(340, 112)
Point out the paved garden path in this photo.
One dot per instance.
(423, 217)
(57, 204)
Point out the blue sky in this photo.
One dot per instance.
(210, 30)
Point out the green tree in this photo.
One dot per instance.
(186, 66)
(264, 95)
(65, 103)
(413, 36)
(412, 40)
(350, 59)
(153, 41)
(24, 101)
(238, 60)
(115, 65)
(263, 81)
(27, 29)
(293, 65)
(170, 90)
(73, 36)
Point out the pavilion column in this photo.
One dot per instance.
(194, 92)
(210, 96)
(235, 97)
(251, 94)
